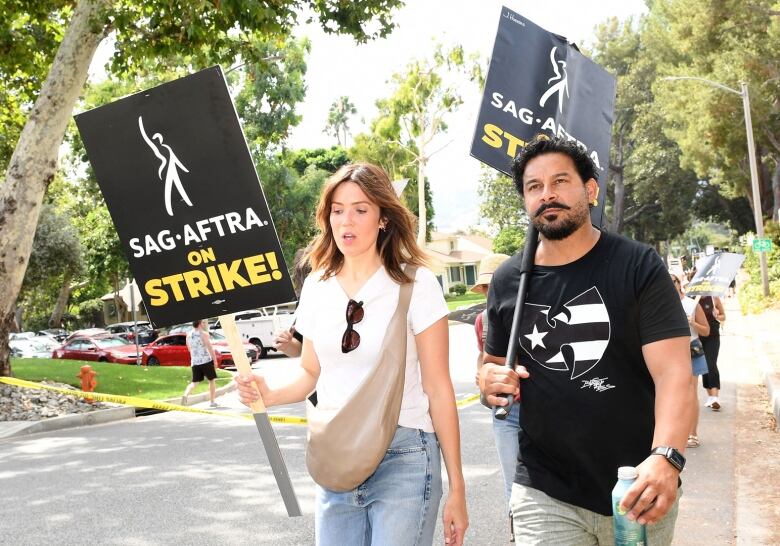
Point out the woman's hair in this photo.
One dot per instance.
(301, 268)
(196, 323)
(396, 244)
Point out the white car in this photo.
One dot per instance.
(258, 326)
(29, 348)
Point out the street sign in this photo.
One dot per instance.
(539, 83)
(182, 190)
(762, 245)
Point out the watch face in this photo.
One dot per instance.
(676, 458)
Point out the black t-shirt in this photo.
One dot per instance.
(708, 304)
(588, 405)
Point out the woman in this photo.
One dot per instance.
(716, 314)
(366, 237)
(699, 327)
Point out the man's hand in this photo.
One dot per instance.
(496, 379)
(653, 493)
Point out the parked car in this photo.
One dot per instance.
(146, 334)
(259, 326)
(29, 348)
(99, 348)
(58, 334)
(87, 332)
(171, 350)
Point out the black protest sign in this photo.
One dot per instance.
(538, 83)
(714, 274)
(179, 182)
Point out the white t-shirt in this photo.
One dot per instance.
(321, 318)
(689, 305)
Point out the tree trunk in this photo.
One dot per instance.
(34, 161)
(422, 221)
(776, 191)
(6, 320)
(62, 302)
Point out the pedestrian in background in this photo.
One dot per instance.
(506, 432)
(359, 258)
(290, 342)
(202, 360)
(716, 314)
(698, 326)
(604, 363)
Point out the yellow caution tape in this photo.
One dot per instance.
(144, 403)
(165, 406)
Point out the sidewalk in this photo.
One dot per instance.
(727, 496)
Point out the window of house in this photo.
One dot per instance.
(455, 274)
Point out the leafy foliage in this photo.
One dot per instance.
(509, 240)
(501, 205)
(338, 119)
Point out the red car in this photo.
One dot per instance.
(171, 350)
(101, 348)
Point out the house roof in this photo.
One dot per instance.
(455, 257)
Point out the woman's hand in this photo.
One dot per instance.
(455, 518)
(251, 388)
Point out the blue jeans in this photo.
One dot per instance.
(397, 504)
(507, 437)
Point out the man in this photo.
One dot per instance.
(604, 364)
(202, 359)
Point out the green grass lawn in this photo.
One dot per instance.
(469, 298)
(151, 383)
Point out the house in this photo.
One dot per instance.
(123, 299)
(454, 257)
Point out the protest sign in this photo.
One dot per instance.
(714, 274)
(539, 83)
(176, 173)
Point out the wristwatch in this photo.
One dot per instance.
(674, 457)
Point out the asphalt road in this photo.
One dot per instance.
(178, 478)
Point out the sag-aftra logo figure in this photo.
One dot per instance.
(171, 165)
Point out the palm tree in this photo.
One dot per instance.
(338, 117)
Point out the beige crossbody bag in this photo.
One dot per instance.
(345, 448)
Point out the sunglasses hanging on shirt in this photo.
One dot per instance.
(351, 339)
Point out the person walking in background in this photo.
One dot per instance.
(202, 360)
(506, 432)
(603, 361)
(359, 262)
(698, 327)
(715, 314)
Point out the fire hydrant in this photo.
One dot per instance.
(88, 381)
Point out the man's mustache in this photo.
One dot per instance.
(553, 205)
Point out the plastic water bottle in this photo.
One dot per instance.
(627, 532)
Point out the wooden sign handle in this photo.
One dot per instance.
(228, 323)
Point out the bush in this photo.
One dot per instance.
(751, 294)
(458, 289)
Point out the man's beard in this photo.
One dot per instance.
(560, 228)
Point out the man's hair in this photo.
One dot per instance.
(541, 145)
(196, 323)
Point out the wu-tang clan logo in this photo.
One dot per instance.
(573, 340)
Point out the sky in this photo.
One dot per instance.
(337, 66)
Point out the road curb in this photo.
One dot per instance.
(12, 429)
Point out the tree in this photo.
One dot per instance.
(727, 42)
(338, 119)
(509, 240)
(56, 258)
(501, 205)
(210, 31)
(414, 114)
(270, 90)
(326, 159)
